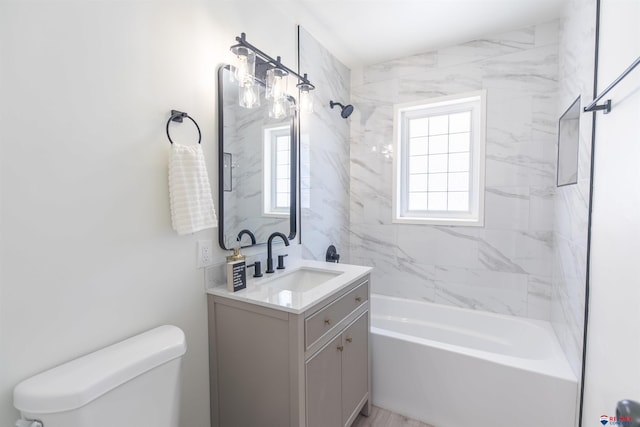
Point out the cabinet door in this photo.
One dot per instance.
(355, 366)
(323, 389)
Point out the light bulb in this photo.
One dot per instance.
(249, 96)
(306, 101)
(279, 108)
(242, 69)
(245, 66)
(276, 85)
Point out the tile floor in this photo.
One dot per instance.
(383, 418)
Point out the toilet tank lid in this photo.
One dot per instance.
(80, 381)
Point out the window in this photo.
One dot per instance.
(439, 168)
(277, 169)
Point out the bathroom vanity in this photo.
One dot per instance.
(291, 349)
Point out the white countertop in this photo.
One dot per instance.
(263, 290)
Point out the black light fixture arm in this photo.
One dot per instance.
(242, 41)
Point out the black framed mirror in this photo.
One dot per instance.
(257, 168)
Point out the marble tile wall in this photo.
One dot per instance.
(505, 266)
(324, 154)
(571, 213)
(530, 257)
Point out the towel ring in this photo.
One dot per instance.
(177, 116)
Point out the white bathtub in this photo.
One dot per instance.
(454, 367)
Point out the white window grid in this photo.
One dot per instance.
(437, 163)
(277, 171)
(281, 179)
(439, 168)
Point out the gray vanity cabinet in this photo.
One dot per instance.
(337, 377)
(324, 382)
(355, 373)
(272, 367)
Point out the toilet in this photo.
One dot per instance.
(135, 382)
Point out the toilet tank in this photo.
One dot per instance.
(135, 382)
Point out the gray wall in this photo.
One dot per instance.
(87, 250)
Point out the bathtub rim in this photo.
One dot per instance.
(556, 366)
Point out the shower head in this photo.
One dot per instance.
(346, 109)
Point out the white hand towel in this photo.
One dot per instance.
(189, 190)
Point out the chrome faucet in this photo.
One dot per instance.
(269, 250)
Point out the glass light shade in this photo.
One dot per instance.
(279, 108)
(306, 100)
(276, 83)
(244, 69)
(249, 95)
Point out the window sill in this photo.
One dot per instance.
(437, 221)
(275, 215)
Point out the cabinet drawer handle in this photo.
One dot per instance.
(327, 321)
(340, 348)
(358, 299)
(349, 340)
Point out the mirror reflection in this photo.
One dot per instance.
(257, 168)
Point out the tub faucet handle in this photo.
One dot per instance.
(332, 254)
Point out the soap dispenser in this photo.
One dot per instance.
(236, 271)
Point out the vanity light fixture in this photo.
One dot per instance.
(279, 108)
(275, 80)
(249, 96)
(276, 84)
(244, 69)
(306, 101)
(276, 92)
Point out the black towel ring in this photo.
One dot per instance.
(177, 116)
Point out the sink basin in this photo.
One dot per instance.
(302, 279)
(296, 289)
